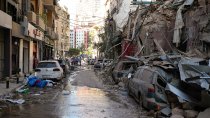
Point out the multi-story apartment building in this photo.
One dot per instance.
(72, 39)
(81, 36)
(27, 32)
(63, 28)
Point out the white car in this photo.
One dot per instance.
(49, 70)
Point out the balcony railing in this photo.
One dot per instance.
(48, 31)
(31, 17)
(54, 35)
(40, 22)
(51, 34)
(50, 2)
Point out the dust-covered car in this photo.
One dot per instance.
(107, 62)
(98, 64)
(64, 65)
(122, 69)
(148, 87)
(49, 70)
(91, 61)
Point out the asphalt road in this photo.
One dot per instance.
(88, 98)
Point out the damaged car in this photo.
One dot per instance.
(122, 69)
(147, 86)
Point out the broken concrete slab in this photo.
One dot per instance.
(204, 114)
(190, 113)
(177, 111)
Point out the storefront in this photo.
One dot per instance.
(15, 55)
(48, 49)
(1, 53)
(5, 45)
(35, 45)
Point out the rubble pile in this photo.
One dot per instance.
(173, 35)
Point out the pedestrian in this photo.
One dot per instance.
(35, 62)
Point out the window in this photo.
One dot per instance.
(46, 65)
(161, 82)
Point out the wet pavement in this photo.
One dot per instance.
(87, 99)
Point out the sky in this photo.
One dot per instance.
(72, 6)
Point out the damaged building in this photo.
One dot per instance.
(176, 25)
(173, 35)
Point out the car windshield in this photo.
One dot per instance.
(100, 61)
(46, 65)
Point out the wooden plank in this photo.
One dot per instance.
(159, 47)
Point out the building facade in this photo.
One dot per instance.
(72, 39)
(63, 28)
(81, 38)
(27, 32)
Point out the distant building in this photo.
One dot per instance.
(72, 39)
(79, 38)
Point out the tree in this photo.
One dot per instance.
(73, 52)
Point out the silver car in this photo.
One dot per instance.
(147, 86)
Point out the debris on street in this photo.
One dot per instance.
(16, 101)
(66, 92)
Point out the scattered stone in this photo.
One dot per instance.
(65, 92)
(187, 106)
(177, 111)
(121, 84)
(103, 111)
(204, 114)
(116, 86)
(151, 113)
(177, 116)
(190, 114)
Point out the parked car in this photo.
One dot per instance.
(122, 69)
(91, 61)
(98, 64)
(147, 86)
(107, 62)
(64, 65)
(49, 70)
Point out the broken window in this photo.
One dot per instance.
(161, 82)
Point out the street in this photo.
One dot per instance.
(88, 98)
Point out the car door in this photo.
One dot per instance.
(160, 85)
(145, 81)
(133, 88)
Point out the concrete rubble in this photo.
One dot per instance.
(175, 36)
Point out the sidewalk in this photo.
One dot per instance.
(12, 86)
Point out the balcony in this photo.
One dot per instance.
(32, 17)
(7, 22)
(54, 36)
(50, 2)
(17, 30)
(40, 22)
(51, 34)
(50, 5)
(48, 32)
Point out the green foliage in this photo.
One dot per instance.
(73, 52)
